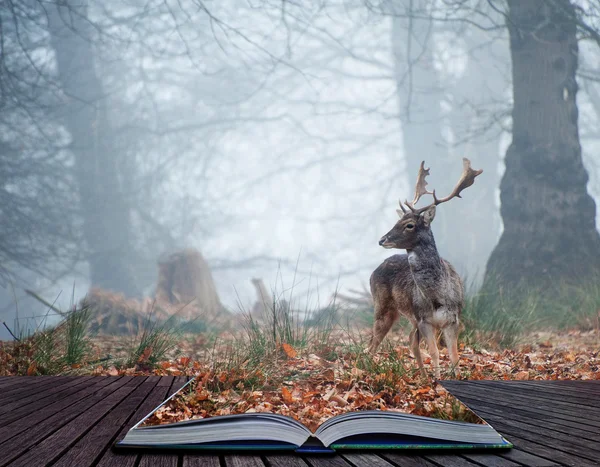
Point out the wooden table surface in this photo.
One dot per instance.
(73, 421)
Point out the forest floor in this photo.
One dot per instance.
(313, 379)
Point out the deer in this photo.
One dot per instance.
(420, 285)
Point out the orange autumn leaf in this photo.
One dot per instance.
(184, 361)
(289, 350)
(309, 395)
(31, 369)
(286, 395)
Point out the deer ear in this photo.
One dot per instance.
(400, 213)
(428, 215)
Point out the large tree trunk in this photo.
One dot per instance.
(106, 216)
(478, 86)
(419, 96)
(549, 218)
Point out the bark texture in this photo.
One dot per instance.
(105, 211)
(186, 287)
(549, 218)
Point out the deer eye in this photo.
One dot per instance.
(410, 226)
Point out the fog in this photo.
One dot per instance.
(274, 137)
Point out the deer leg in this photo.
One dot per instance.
(428, 332)
(451, 339)
(415, 340)
(384, 320)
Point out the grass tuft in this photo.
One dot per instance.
(77, 344)
(154, 342)
(500, 318)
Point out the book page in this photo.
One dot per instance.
(310, 390)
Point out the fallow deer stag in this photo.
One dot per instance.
(420, 285)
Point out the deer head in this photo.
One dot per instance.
(415, 223)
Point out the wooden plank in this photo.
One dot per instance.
(201, 461)
(29, 385)
(241, 460)
(531, 434)
(15, 446)
(98, 439)
(16, 409)
(542, 391)
(371, 460)
(574, 382)
(528, 459)
(564, 385)
(516, 414)
(283, 460)
(588, 393)
(450, 460)
(58, 442)
(156, 396)
(531, 393)
(56, 411)
(525, 441)
(8, 381)
(17, 383)
(546, 413)
(159, 460)
(407, 460)
(325, 461)
(567, 408)
(491, 460)
(552, 438)
(523, 411)
(551, 410)
(25, 396)
(178, 383)
(537, 449)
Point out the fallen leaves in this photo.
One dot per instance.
(286, 394)
(289, 350)
(522, 375)
(311, 388)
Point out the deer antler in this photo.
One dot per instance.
(420, 189)
(467, 179)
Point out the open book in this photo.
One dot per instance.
(371, 429)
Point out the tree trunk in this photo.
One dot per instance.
(479, 85)
(105, 211)
(549, 219)
(185, 286)
(419, 98)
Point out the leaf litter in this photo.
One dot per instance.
(312, 386)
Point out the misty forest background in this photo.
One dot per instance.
(276, 137)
